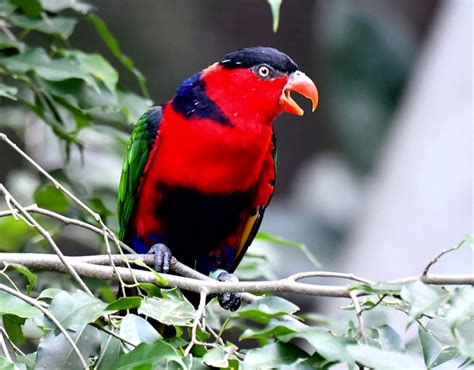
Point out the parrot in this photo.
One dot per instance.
(200, 170)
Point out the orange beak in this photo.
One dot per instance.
(299, 83)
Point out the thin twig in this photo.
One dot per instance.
(47, 236)
(360, 319)
(200, 317)
(438, 257)
(214, 334)
(15, 348)
(113, 334)
(3, 345)
(50, 316)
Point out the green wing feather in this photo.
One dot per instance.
(139, 147)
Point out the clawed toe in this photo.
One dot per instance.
(162, 257)
(229, 300)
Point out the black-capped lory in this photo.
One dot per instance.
(200, 169)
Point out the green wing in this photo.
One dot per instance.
(141, 142)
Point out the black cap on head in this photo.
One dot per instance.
(249, 57)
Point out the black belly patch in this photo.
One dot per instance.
(197, 224)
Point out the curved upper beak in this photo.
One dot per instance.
(299, 83)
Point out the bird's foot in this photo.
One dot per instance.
(229, 300)
(162, 257)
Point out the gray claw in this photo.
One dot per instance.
(229, 300)
(162, 257)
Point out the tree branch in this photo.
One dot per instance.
(84, 267)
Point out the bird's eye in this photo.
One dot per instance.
(263, 71)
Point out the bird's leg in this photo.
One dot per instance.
(228, 300)
(162, 257)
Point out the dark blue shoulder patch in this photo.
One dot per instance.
(191, 101)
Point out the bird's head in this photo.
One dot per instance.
(251, 84)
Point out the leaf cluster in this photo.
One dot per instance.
(66, 88)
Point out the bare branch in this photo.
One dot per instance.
(3, 345)
(52, 262)
(354, 296)
(50, 316)
(438, 257)
(200, 316)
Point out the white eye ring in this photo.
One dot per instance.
(263, 71)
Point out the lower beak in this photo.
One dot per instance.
(299, 83)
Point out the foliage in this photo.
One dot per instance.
(65, 87)
(268, 333)
(71, 90)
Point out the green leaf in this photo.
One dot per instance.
(381, 360)
(132, 105)
(98, 206)
(465, 337)
(137, 330)
(273, 329)
(47, 196)
(55, 352)
(151, 289)
(332, 348)
(434, 353)
(171, 310)
(268, 307)
(148, 356)
(390, 340)
(440, 330)
(112, 44)
(36, 60)
(97, 66)
(124, 303)
(469, 240)
(160, 280)
(13, 326)
(7, 365)
(274, 356)
(275, 7)
(265, 237)
(8, 91)
(32, 8)
(14, 234)
(28, 360)
(216, 357)
(254, 267)
(15, 306)
(56, 6)
(61, 27)
(378, 288)
(77, 309)
(7, 43)
(49, 293)
(422, 298)
(25, 271)
(462, 305)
